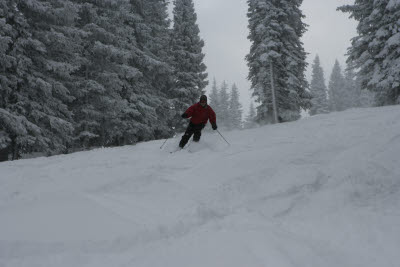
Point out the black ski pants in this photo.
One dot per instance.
(192, 129)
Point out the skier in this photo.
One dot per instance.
(200, 113)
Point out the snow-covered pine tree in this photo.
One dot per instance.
(351, 89)
(18, 136)
(8, 78)
(235, 109)
(43, 50)
(152, 36)
(152, 28)
(187, 46)
(213, 98)
(376, 49)
(97, 83)
(366, 97)
(336, 89)
(223, 115)
(112, 103)
(14, 139)
(318, 89)
(250, 121)
(275, 31)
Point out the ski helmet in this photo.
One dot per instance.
(203, 98)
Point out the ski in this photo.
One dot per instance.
(178, 149)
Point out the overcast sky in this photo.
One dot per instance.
(223, 27)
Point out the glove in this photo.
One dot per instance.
(214, 126)
(184, 115)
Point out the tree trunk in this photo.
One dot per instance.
(14, 149)
(273, 93)
(103, 132)
(4, 154)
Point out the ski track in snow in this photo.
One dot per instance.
(322, 191)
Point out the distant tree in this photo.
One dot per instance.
(277, 52)
(366, 97)
(375, 51)
(250, 121)
(186, 47)
(235, 109)
(318, 89)
(224, 115)
(351, 88)
(336, 88)
(214, 101)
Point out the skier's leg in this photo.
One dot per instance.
(196, 136)
(186, 137)
(197, 133)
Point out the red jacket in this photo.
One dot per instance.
(201, 114)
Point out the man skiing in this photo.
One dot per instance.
(200, 113)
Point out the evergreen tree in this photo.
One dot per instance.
(214, 101)
(8, 78)
(153, 38)
(14, 36)
(224, 115)
(186, 48)
(18, 135)
(235, 109)
(42, 51)
(318, 89)
(277, 52)
(99, 85)
(366, 98)
(351, 89)
(375, 51)
(337, 92)
(122, 97)
(251, 117)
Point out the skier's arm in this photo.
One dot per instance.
(188, 113)
(212, 117)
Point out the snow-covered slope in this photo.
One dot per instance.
(323, 191)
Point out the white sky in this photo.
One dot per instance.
(223, 27)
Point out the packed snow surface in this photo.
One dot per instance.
(323, 191)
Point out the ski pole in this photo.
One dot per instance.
(223, 137)
(164, 143)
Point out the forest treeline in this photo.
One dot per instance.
(77, 74)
